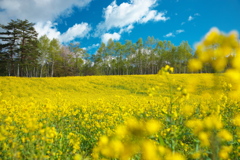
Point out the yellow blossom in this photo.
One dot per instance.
(212, 36)
(204, 138)
(175, 156)
(196, 155)
(194, 65)
(224, 152)
(149, 151)
(225, 135)
(213, 122)
(77, 157)
(152, 126)
(236, 120)
(187, 110)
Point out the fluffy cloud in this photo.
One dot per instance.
(107, 36)
(37, 10)
(179, 31)
(190, 18)
(77, 31)
(49, 29)
(43, 12)
(169, 35)
(155, 16)
(123, 16)
(127, 29)
(92, 46)
(173, 34)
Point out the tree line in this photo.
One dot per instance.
(23, 54)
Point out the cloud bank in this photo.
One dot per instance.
(118, 19)
(115, 36)
(49, 29)
(43, 13)
(77, 31)
(124, 16)
(37, 10)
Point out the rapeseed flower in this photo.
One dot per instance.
(66, 117)
(204, 138)
(224, 152)
(236, 120)
(195, 65)
(225, 135)
(152, 126)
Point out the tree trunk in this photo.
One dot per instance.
(41, 70)
(52, 69)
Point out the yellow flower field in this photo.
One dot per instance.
(164, 116)
(148, 116)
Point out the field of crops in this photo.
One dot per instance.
(166, 116)
(151, 117)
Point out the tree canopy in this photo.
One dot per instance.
(23, 54)
(18, 48)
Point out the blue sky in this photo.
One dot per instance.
(92, 22)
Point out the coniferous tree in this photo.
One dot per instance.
(18, 48)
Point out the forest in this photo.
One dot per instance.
(24, 54)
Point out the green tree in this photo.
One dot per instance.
(78, 54)
(150, 44)
(119, 49)
(129, 49)
(139, 56)
(19, 48)
(54, 54)
(98, 58)
(44, 49)
(184, 54)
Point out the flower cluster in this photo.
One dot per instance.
(219, 50)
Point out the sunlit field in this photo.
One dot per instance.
(164, 116)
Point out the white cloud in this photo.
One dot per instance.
(190, 18)
(107, 36)
(49, 29)
(161, 17)
(43, 13)
(196, 14)
(150, 15)
(126, 14)
(92, 46)
(153, 15)
(179, 31)
(95, 45)
(127, 29)
(37, 10)
(169, 35)
(173, 34)
(77, 31)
